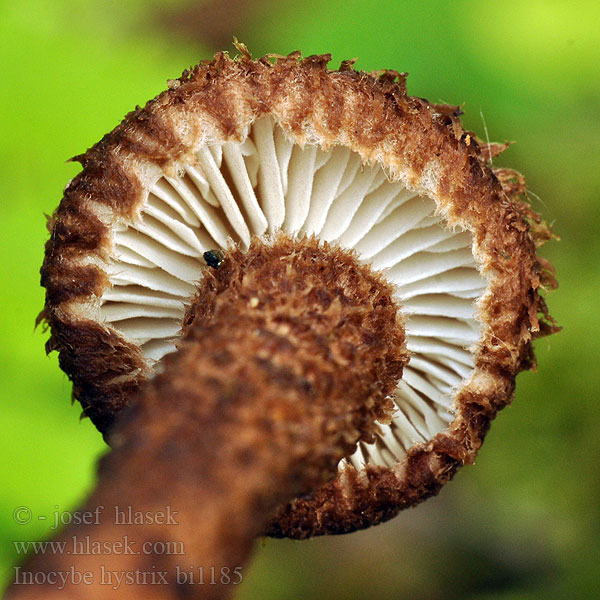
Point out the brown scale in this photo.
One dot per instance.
(289, 354)
(372, 115)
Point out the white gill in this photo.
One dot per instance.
(268, 184)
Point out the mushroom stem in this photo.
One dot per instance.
(289, 354)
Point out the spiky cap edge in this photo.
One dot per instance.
(421, 144)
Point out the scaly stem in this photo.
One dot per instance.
(290, 351)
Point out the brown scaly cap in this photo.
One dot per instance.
(418, 143)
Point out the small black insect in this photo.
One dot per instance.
(214, 258)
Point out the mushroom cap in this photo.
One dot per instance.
(201, 166)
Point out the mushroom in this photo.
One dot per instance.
(240, 158)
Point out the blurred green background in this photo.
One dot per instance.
(523, 523)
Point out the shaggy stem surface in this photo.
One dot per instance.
(289, 354)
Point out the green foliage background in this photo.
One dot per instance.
(522, 524)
